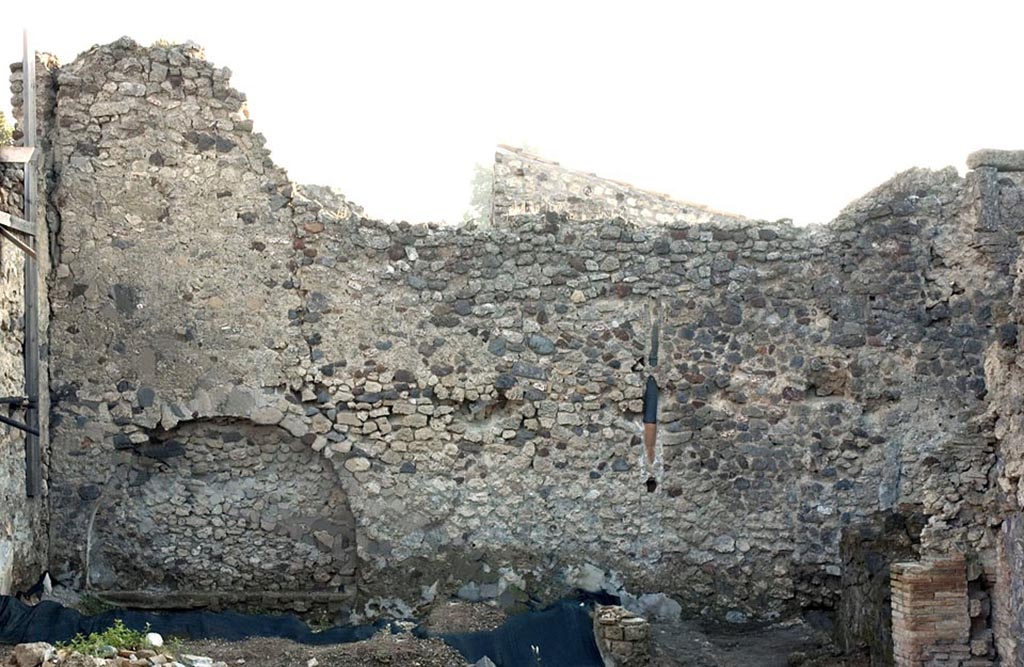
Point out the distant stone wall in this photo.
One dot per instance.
(525, 184)
(473, 397)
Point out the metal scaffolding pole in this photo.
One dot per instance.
(33, 457)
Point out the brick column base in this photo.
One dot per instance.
(931, 626)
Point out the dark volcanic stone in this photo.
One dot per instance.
(145, 397)
(540, 344)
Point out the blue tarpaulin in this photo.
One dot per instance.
(560, 635)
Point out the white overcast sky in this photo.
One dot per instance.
(769, 109)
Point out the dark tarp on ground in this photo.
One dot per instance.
(52, 622)
(562, 633)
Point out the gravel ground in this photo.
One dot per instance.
(457, 616)
(382, 650)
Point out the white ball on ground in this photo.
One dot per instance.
(154, 639)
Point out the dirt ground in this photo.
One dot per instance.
(687, 643)
(677, 644)
(382, 650)
(458, 616)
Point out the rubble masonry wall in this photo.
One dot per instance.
(460, 407)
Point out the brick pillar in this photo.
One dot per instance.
(623, 639)
(930, 622)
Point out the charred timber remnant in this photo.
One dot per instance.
(306, 400)
(650, 406)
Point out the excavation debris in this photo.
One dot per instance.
(43, 654)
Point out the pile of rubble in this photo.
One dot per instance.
(41, 654)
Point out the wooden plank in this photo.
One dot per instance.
(199, 599)
(14, 223)
(20, 154)
(33, 448)
(22, 245)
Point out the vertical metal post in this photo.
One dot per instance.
(33, 462)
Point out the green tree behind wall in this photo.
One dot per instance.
(6, 131)
(480, 200)
(479, 210)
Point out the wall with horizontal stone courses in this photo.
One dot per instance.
(476, 395)
(223, 488)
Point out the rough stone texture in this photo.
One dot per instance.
(23, 523)
(998, 159)
(223, 489)
(1008, 597)
(868, 550)
(527, 184)
(475, 396)
(1004, 365)
(20, 520)
(31, 655)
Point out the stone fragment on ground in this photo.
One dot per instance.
(42, 654)
(31, 655)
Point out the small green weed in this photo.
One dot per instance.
(117, 636)
(90, 605)
(320, 621)
(172, 646)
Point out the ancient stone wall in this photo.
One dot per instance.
(1002, 175)
(525, 184)
(463, 406)
(20, 520)
(23, 523)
